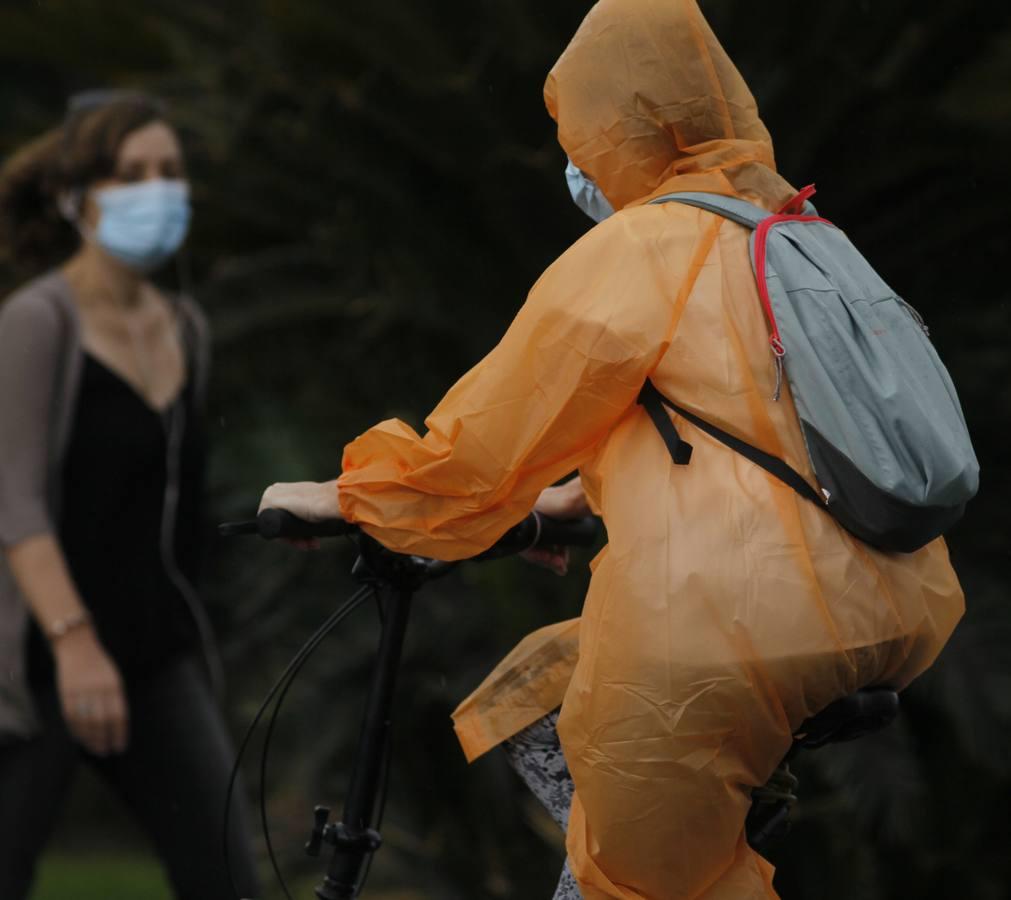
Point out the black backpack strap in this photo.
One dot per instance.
(654, 401)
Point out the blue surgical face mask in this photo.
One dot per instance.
(586, 194)
(143, 224)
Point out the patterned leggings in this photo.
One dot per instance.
(536, 754)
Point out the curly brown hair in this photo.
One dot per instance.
(33, 232)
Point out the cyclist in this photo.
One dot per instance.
(725, 609)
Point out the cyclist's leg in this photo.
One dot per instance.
(662, 791)
(174, 778)
(568, 888)
(35, 776)
(536, 755)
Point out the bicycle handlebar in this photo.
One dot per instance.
(538, 530)
(535, 530)
(279, 523)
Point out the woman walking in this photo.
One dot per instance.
(101, 467)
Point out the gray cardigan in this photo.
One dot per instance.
(40, 370)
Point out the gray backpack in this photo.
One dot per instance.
(882, 423)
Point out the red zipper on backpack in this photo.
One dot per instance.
(795, 205)
(786, 214)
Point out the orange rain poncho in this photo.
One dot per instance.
(725, 609)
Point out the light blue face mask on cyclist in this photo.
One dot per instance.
(586, 195)
(143, 224)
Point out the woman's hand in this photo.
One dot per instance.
(91, 693)
(311, 501)
(566, 501)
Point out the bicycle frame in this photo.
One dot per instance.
(353, 838)
(395, 578)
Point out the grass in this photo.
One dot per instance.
(133, 876)
(99, 876)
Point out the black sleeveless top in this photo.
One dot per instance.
(115, 475)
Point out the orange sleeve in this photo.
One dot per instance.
(568, 369)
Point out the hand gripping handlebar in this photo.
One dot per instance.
(536, 530)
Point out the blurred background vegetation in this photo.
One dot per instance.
(377, 185)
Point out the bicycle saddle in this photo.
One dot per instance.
(868, 710)
(846, 719)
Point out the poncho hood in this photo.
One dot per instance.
(647, 101)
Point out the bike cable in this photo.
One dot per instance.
(265, 752)
(282, 684)
(379, 811)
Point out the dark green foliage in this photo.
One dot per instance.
(377, 185)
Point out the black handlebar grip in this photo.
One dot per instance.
(279, 523)
(231, 529)
(538, 530)
(567, 532)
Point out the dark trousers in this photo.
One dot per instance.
(173, 777)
